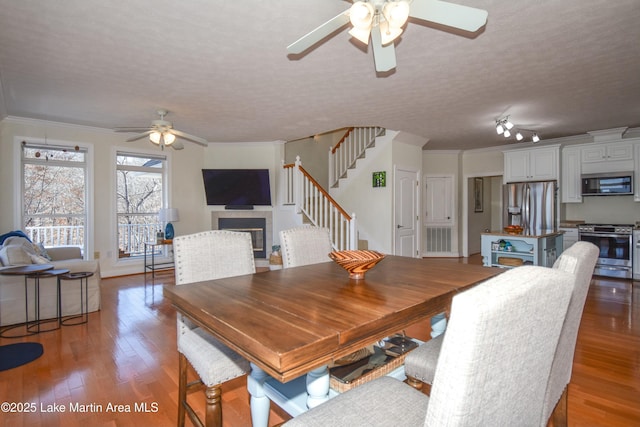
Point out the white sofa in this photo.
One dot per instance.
(12, 292)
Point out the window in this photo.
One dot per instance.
(54, 194)
(139, 196)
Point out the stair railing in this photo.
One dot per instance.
(349, 149)
(311, 200)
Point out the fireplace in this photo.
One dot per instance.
(255, 222)
(256, 227)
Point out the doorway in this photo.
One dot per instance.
(484, 209)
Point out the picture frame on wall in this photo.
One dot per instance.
(380, 179)
(478, 194)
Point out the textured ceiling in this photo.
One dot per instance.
(559, 67)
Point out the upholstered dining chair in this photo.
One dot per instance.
(578, 260)
(305, 245)
(206, 256)
(496, 330)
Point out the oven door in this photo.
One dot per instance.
(616, 254)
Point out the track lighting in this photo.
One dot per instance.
(504, 126)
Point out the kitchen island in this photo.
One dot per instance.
(500, 249)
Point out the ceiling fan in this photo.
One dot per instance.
(382, 21)
(162, 133)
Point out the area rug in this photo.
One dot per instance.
(14, 355)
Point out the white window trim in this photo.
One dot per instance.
(89, 185)
(166, 199)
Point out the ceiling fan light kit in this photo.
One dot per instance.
(162, 133)
(381, 21)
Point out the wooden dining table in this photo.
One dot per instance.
(296, 321)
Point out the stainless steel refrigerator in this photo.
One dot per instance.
(531, 205)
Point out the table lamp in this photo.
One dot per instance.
(167, 215)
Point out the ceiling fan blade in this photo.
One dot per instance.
(137, 129)
(383, 56)
(177, 145)
(191, 138)
(308, 40)
(140, 136)
(449, 14)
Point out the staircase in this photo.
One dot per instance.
(318, 207)
(349, 149)
(312, 200)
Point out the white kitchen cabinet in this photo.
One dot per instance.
(535, 164)
(571, 184)
(542, 249)
(569, 237)
(636, 184)
(607, 157)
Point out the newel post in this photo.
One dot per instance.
(332, 168)
(297, 185)
(353, 232)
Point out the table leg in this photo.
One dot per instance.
(317, 386)
(260, 403)
(438, 325)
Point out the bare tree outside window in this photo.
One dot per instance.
(54, 207)
(139, 197)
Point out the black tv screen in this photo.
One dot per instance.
(237, 187)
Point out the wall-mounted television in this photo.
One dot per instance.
(237, 188)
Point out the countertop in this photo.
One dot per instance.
(535, 234)
(571, 223)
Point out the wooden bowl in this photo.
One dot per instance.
(357, 263)
(513, 229)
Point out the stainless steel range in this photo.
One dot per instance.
(615, 242)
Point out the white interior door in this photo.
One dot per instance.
(406, 213)
(439, 237)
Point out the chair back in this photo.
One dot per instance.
(212, 255)
(580, 260)
(305, 245)
(496, 356)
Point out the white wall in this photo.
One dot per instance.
(185, 178)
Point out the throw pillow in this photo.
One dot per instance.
(14, 255)
(37, 259)
(41, 250)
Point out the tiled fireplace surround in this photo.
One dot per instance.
(267, 215)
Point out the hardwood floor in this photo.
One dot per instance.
(126, 355)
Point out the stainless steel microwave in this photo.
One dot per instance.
(607, 184)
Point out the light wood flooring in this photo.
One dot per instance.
(126, 355)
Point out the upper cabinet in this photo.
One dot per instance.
(533, 164)
(599, 157)
(607, 157)
(636, 161)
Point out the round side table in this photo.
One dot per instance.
(37, 322)
(26, 271)
(83, 317)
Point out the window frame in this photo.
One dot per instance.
(19, 214)
(166, 192)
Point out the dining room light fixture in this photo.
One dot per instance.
(390, 16)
